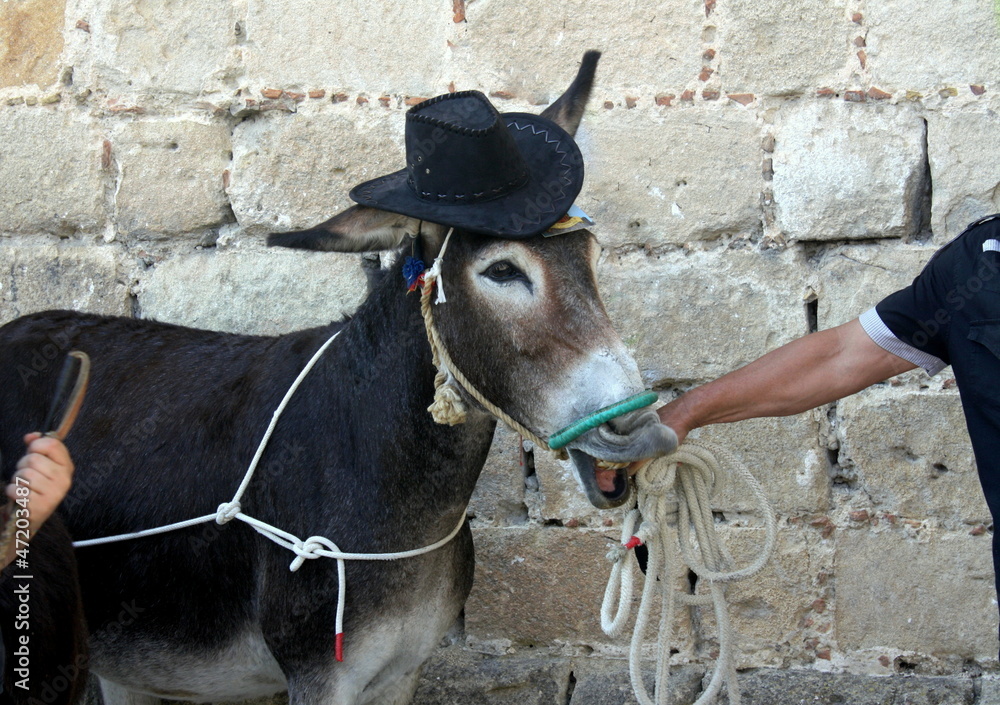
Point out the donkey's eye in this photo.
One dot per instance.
(504, 272)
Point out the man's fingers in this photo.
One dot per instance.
(44, 493)
(50, 448)
(39, 465)
(40, 483)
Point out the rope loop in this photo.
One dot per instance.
(226, 512)
(309, 549)
(674, 508)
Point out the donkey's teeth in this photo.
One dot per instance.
(608, 465)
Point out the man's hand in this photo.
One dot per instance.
(47, 471)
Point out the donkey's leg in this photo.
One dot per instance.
(348, 688)
(316, 690)
(114, 694)
(397, 692)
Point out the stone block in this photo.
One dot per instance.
(538, 586)
(783, 614)
(931, 593)
(532, 52)
(648, 181)
(964, 33)
(171, 177)
(158, 49)
(560, 497)
(50, 168)
(845, 171)
(31, 41)
(292, 172)
(264, 292)
(786, 457)
(966, 184)
(350, 46)
(695, 315)
(990, 689)
(607, 682)
(498, 499)
(912, 453)
(43, 277)
(853, 278)
(772, 49)
(455, 676)
(792, 687)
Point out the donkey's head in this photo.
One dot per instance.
(524, 322)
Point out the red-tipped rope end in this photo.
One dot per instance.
(632, 543)
(338, 647)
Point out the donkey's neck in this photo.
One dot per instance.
(414, 465)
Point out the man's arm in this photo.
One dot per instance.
(806, 373)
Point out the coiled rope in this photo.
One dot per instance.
(674, 497)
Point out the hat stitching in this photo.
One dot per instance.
(562, 162)
(457, 129)
(545, 133)
(503, 188)
(412, 114)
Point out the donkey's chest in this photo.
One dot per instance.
(395, 619)
(380, 649)
(241, 668)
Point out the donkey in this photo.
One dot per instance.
(173, 416)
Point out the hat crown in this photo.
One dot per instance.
(467, 111)
(458, 150)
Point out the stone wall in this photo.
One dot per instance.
(757, 170)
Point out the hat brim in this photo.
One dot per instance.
(555, 177)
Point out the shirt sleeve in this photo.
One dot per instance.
(879, 332)
(913, 323)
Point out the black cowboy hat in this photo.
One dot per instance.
(468, 166)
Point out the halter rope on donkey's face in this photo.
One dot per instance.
(448, 407)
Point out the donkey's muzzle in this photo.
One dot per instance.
(611, 447)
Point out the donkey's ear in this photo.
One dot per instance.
(567, 111)
(357, 229)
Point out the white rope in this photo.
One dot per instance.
(146, 532)
(310, 548)
(666, 522)
(228, 510)
(434, 273)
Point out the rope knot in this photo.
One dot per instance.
(226, 512)
(448, 407)
(616, 553)
(308, 549)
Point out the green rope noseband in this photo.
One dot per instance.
(561, 438)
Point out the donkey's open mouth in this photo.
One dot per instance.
(605, 457)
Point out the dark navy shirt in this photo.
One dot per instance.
(950, 315)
